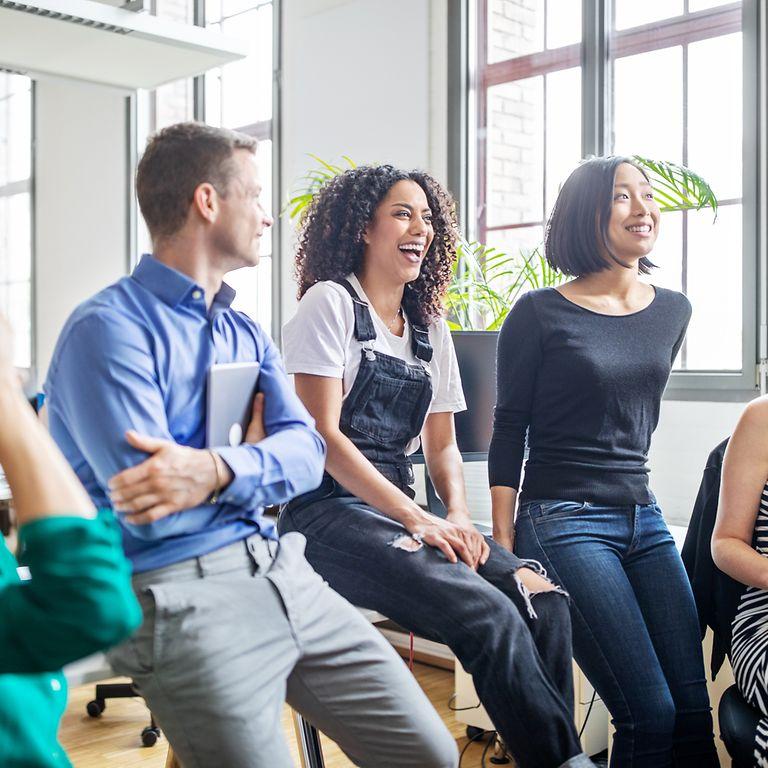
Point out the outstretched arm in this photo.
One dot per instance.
(744, 474)
(79, 598)
(517, 360)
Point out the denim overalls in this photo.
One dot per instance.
(389, 399)
(521, 665)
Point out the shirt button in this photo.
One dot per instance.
(197, 294)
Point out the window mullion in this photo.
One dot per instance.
(756, 14)
(596, 109)
(198, 83)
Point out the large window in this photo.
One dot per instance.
(693, 52)
(661, 79)
(529, 117)
(15, 211)
(237, 96)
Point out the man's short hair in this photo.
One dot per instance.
(176, 161)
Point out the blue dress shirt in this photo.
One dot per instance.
(136, 356)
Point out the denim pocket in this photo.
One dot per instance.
(556, 509)
(390, 410)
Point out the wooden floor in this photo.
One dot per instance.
(113, 740)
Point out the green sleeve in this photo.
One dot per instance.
(78, 601)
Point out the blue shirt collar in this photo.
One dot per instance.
(173, 287)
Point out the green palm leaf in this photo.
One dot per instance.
(677, 188)
(308, 185)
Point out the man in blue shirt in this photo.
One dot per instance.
(235, 621)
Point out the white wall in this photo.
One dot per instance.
(687, 432)
(81, 210)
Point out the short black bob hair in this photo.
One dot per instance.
(577, 230)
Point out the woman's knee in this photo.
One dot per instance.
(650, 716)
(553, 613)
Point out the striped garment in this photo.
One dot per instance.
(749, 645)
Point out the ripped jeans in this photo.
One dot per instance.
(520, 665)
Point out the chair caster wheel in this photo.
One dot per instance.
(149, 736)
(474, 733)
(95, 708)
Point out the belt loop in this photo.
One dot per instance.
(250, 548)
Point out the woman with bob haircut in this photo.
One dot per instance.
(374, 364)
(581, 369)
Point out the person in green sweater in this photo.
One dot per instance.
(69, 593)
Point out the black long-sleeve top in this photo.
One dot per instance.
(587, 389)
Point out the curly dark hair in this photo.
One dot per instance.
(331, 235)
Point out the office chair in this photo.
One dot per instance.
(149, 734)
(738, 725)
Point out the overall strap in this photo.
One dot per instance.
(420, 345)
(364, 330)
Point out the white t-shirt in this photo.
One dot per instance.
(320, 340)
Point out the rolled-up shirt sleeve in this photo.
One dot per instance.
(79, 598)
(518, 357)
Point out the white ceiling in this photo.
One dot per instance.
(96, 42)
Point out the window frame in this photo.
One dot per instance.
(263, 130)
(27, 186)
(466, 123)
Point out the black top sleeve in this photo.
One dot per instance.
(518, 357)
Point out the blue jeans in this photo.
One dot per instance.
(635, 628)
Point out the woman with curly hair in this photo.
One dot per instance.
(374, 364)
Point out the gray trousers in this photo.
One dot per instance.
(228, 637)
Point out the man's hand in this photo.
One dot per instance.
(173, 478)
(475, 540)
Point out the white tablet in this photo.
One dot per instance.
(231, 388)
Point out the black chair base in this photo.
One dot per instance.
(149, 735)
(738, 725)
